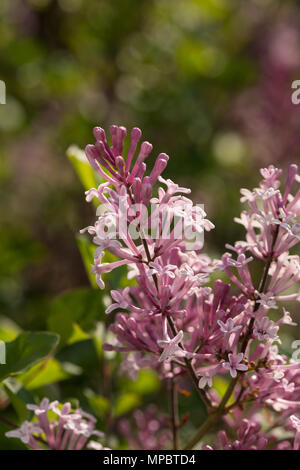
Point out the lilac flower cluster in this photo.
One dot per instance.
(148, 429)
(71, 431)
(249, 437)
(170, 319)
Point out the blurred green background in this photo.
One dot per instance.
(208, 82)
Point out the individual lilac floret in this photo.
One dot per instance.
(234, 364)
(171, 348)
(295, 421)
(120, 298)
(205, 380)
(268, 300)
(229, 326)
(264, 328)
(25, 433)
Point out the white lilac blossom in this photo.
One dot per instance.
(171, 320)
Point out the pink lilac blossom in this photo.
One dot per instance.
(249, 437)
(148, 429)
(71, 431)
(171, 317)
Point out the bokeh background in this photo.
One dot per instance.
(208, 81)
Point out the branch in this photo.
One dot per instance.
(174, 414)
(190, 368)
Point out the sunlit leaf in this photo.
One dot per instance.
(220, 385)
(9, 330)
(77, 334)
(126, 402)
(43, 374)
(99, 404)
(27, 350)
(87, 249)
(147, 383)
(82, 167)
(80, 307)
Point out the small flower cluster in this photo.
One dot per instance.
(71, 431)
(149, 429)
(170, 319)
(249, 437)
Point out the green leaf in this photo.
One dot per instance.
(27, 350)
(19, 397)
(98, 341)
(82, 167)
(82, 354)
(9, 330)
(74, 312)
(147, 383)
(43, 374)
(220, 385)
(17, 250)
(77, 334)
(99, 404)
(126, 402)
(87, 249)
